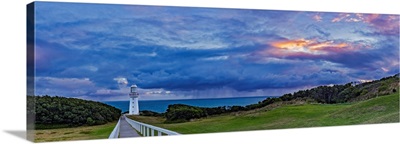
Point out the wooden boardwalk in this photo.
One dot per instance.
(126, 130)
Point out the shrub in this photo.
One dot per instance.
(180, 112)
(90, 121)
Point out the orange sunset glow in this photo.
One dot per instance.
(308, 46)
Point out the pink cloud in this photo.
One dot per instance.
(386, 24)
(317, 17)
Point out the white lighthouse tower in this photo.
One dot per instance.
(134, 102)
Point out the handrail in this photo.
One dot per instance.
(145, 129)
(115, 132)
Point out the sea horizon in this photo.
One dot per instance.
(189, 98)
(161, 106)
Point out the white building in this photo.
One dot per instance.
(134, 101)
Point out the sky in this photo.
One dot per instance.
(96, 51)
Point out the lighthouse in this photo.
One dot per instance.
(133, 101)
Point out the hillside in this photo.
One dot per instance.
(384, 86)
(61, 112)
(335, 94)
(383, 109)
(349, 92)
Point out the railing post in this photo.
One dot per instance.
(148, 131)
(152, 132)
(159, 133)
(144, 131)
(136, 125)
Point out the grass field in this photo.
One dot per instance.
(384, 109)
(78, 133)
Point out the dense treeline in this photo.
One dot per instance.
(148, 113)
(182, 113)
(56, 112)
(323, 94)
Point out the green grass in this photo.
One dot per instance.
(384, 109)
(78, 133)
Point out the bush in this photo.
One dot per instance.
(90, 121)
(180, 112)
(384, 87)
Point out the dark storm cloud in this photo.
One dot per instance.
(82, 49)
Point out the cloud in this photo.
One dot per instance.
(121, 80)
(317, 17)
(77, 71)
(346, 17)
(216, 58)
(168, 26)
(384, 24)
(319, 30)
(313, 47)
(91, 51)
(70, 83)
(63, 86)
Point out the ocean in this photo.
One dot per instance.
(162, 105)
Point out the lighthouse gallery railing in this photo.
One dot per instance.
(149, 130)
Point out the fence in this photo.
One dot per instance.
(115, 132)
(149, 130)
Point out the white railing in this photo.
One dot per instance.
(149, 130)
(115, 132)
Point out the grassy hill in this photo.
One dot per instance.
(333, 94)
(383, 109)
(75, 133)
(384, 86)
